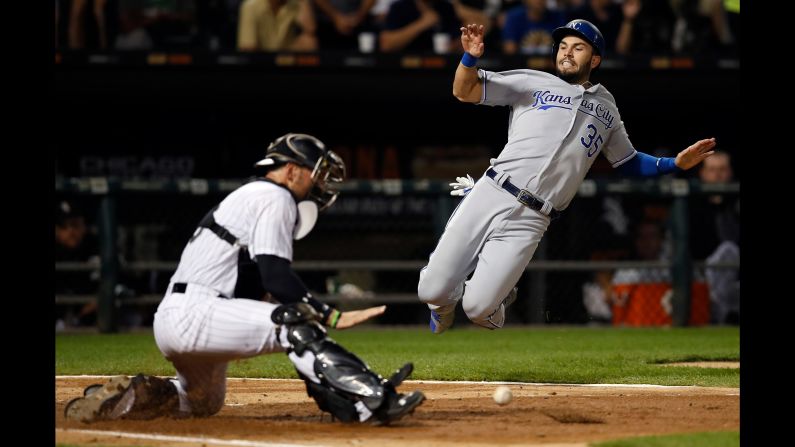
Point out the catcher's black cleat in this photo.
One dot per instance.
(397, 406)
(401, 374)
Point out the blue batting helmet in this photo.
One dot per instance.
(584, 30)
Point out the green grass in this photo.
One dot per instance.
(710, 439)
(545, 354)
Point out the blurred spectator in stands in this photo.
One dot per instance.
(412, 25)
(230, 23)
(491, 11)
(702, 27)
(528, 28)
(378, 13)
(157, 24)
(276, 25)
(733, 13)
(86, 24)
(339, 22)
(715, 238)
(57, 22)
(596, 297)
(648, 25)
(643, 296)
(216, 24)
(74, 243)
(609, 18)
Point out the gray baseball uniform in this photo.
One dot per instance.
(555, 132)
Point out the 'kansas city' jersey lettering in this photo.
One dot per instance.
(547, 100)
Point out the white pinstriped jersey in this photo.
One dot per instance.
(261, 215)
(555, 131)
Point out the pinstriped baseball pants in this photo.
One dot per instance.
(199, 333)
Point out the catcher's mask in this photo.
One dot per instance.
(328, 169)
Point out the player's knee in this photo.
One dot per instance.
(429, 290)
(480, 305)
(206, 402)
(215, 405)
(438, 291)
(208, 407)
(477, 311)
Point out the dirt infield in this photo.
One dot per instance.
(259, 412)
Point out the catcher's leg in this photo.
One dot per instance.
(340, 382)
(201, 385)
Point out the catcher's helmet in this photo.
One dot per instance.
(584, 30)
(328, 169)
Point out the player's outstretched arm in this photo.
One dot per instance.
(645, 165)
(353, 317)
(466, 85)
(695, 153)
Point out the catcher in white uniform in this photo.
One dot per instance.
(199, 326)
(557, 127)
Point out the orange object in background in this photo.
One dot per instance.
(649, 304)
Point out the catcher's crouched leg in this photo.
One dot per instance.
(122, 397)
(340, 382)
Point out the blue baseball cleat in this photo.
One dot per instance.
(442, 318)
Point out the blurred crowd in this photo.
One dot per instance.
(659, 27)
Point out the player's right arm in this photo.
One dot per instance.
(467, 87)
(282, 283)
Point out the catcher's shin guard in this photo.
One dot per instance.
(343, 384)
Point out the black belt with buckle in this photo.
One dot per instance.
(180, 287)
(523, 196)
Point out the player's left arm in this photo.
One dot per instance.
(630, 162)
(645, 165)
(695, 153)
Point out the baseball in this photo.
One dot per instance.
(502, 395)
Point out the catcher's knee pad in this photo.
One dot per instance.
(344, 378)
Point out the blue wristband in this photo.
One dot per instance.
(666, 165)
(468, 60)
